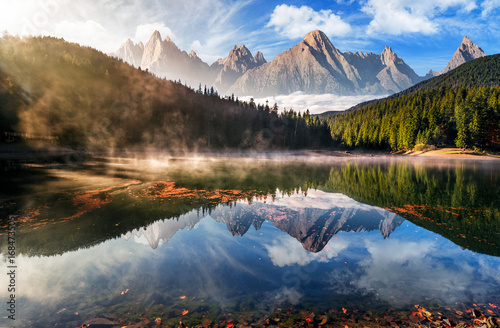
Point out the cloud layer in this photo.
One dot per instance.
(300, 101)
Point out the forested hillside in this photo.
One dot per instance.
(460, 108)
(58, 93)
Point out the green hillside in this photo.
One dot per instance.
(482, 71)
(460, 108)
(58, 93)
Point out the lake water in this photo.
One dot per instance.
(238, 242)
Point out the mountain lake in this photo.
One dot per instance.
(238, 242)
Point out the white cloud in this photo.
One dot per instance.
(411, 270)
(50, 279)
(489, 6)
(294, 22)
(345, 2)
(144, 31)
(300, 101)
(392, 18)
(135, 19)
(196, 45)
(397, 17)
(489, 267)
(286, 251)
(89, 33)
(31, 17)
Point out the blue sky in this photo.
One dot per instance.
(425, 33)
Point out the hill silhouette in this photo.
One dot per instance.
(55, 92)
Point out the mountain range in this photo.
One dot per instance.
(313, 66)
(165, 59)
(312, 227)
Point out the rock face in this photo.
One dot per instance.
(238, 61)
(131, 53)
(164, 59)
(396, 75)
(466, 52)
(315, 66)
(312, 227)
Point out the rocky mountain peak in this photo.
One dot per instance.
(388, 56)
(466, 40)
(156, 36)
(238, 61)
(259, 58)
(319, 41)
(387, 49)
(128, 43)
(467, 51)
(315, 66)
(396, 75)
(316, 37)
(130, 52)
(360, 54)
(219, 62)
(239, 52)
(470, 49)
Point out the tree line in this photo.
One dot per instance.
(459, 109)
(465, 117)
(77, 96)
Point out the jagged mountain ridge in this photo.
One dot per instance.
(312, 227)
(238, 61)
(313, 66)
(165, 59)
(131, 53)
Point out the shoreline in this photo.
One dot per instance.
(454, 153)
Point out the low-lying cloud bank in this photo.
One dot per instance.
(300, 101)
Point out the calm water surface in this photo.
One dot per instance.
(221, 242)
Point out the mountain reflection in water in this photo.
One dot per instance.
(313, 219)
(251, 241)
